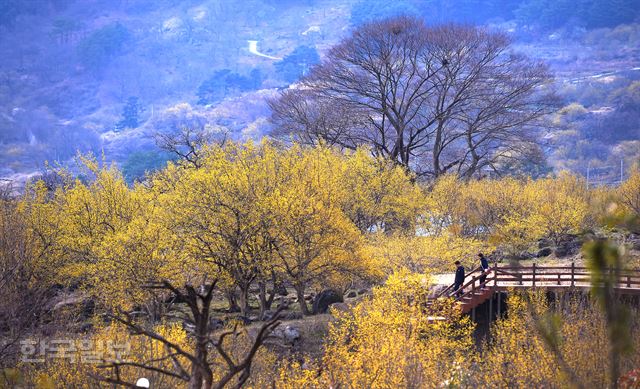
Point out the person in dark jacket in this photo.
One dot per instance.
(459, 280)
(484, 268)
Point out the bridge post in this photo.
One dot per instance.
(491, 305)
(473, 288)
(628, 281)
(573, 274)
(533, 280)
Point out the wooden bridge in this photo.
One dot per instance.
(555, 278)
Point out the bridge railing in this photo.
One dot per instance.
(449, 289)
(536, 276)
(561, 276)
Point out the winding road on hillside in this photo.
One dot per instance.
(253, 49)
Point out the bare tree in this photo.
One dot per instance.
(25, 288)
(199, 372)
(187, 144)
(433, 99)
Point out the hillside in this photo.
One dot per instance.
(103, 77)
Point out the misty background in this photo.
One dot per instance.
(104, 76)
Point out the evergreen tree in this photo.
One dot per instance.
(223, 82)
(130, 114)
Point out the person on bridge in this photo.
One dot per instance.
(459, 280)
(484, 268)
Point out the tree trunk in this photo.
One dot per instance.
(271, 296)
(245, 308)
(303, 304)
(266, 299)
(195, 381)
(155, 309)
(201, 313)
(233, 302)
(265, 302)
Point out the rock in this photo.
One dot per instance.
(86, 328)
(435, 290)
(324, 299)
(293, 315)
(283, 302)
(569, 238)
(544, 252)
(339, 307)
(561, 251)
(633, 241)
(268, 315)
(281, 290)
(188, 327)
(88, 309)
(174, 299)
(290, 335)
(566, 249)
(215, 324)
(309, 297)
(542, 243)
(352, 294)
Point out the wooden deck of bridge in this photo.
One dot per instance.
(552, 278)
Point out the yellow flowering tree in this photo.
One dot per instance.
(629, 193)
(315, 241)
(381, 195)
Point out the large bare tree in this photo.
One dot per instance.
(437, 100)
(209, 352)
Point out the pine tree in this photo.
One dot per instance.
(130, 114)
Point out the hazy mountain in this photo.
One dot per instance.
(103, 76)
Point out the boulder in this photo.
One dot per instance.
(283, 302)
(633, 240)
(86, 328)
(324, 299)
(290, 335)
(215, 324)
(293, 315)
(544, 252)
(338, 307)
(268, 315)
(352, 294)
(542, 243)
(188, 327)
(281, 290)
(435, 290)
(566, 249)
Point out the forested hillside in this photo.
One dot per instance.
(105, 76)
